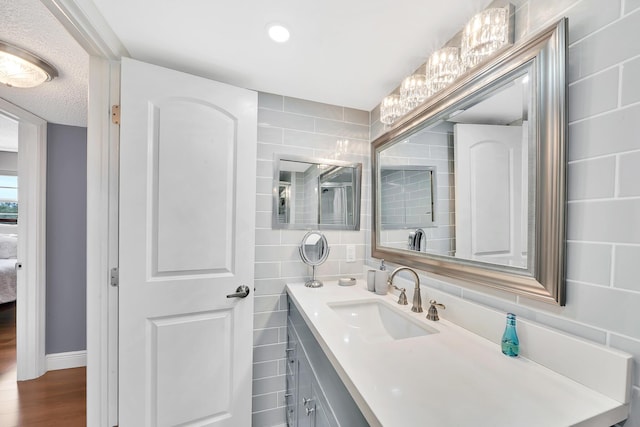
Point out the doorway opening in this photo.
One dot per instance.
(8, 247)
(25, 167)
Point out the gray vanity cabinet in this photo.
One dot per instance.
(316, 397)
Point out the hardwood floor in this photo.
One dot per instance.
(58, 398)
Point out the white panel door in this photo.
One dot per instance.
(187, 214)
(489, 193)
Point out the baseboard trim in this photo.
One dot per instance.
(71, 359)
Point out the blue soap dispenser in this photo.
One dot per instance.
(510, 342)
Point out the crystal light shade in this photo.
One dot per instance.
(442, 68)
(413, 92)
(21, 69)
(390, 109)
(484, 34)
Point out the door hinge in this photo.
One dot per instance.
(115, 276)
(115, 114)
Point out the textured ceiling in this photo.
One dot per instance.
(30, 25)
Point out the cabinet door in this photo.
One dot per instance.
(291, 395)
(322, 417)
(306, 398)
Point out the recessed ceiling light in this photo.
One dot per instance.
(278, 33)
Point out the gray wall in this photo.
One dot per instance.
(604, 197)
(603, 222)
(304, 128)
(66, 238)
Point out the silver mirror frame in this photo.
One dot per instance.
(544, 281)
(314, 283)
(275, 224)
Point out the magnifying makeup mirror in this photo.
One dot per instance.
(314, 250)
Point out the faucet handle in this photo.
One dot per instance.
(402, 299)
(432, 314)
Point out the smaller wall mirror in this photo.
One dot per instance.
(314, 250)
(310, 193)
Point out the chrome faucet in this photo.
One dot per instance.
(416, 307)
(416, 238)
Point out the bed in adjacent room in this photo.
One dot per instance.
(8, 259)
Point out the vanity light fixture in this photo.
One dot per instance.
(390, 109)
(484, 34)
(22, 69)
(442, 68)
(413, 92)
(278, 33)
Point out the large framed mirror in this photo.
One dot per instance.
(312, 193)
(495, 143)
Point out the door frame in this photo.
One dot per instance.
(86, 25)
(30, 300)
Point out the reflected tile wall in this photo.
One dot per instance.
(428, 148)
(304, 128)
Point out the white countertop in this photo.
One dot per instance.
(449, 378)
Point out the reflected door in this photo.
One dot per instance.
(186, 241)
(490, 199)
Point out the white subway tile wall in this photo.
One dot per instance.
(603, 182)
(304, 128)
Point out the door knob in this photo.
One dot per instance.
(241, 292)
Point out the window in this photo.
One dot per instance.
(8, 199)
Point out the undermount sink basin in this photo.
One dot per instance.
(375, 321)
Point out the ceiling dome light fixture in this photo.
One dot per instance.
(22, 69)
(278, 33)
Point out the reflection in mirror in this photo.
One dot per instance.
(407, 202)
(314, 250)
(316, 193)
(496, 138)
(407, 196)
(481, 146)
